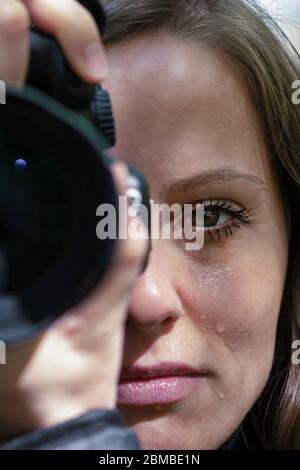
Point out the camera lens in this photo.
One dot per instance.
(54, 174)
(33, 213)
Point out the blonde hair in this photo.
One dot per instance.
(269, 65)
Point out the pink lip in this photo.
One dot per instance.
(158, 384)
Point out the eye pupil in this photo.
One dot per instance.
(211, 217)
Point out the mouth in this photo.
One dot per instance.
(160, 384)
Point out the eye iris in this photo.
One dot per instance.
(211, 217)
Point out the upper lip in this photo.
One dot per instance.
(158, 370)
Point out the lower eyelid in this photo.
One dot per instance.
(230, 228)
(216, 227)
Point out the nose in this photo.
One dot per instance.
(155, 301)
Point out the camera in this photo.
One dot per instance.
(54, 173)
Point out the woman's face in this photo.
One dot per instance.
(202, 324)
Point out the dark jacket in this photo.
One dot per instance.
(96, 430)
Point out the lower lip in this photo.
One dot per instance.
(157, 390)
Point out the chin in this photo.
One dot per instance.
(164, 429)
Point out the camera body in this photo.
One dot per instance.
(54, 173)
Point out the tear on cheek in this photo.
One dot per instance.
(248, 327)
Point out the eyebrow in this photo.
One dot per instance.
(216, 176)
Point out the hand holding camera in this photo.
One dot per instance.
(72, 366)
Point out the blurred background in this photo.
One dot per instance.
(287, 13)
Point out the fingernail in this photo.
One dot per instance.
(96, 61)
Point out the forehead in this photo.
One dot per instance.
(179, 101)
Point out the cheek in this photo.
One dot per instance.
(235, 306)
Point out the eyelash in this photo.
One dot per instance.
(242, 218)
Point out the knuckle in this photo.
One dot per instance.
(14, 18)
(83, 20)
(68, 20)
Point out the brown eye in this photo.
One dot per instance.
(221, 217)
(211, 217)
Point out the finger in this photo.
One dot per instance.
(76, 30)
(113, 292)
(130, 253)
(14, 24)
(128, 257)
(121, 175)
